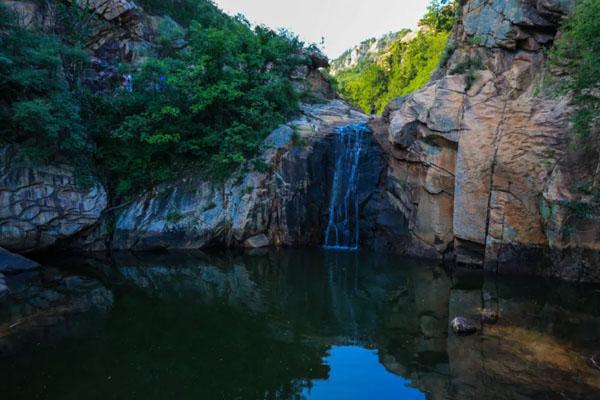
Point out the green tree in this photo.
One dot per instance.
(208, 107)
(578, 52)
(440, 15)
(406, 67)
(39, 79)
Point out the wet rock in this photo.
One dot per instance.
(462, 326)
(11, 263)
(489, 316)
(284, 203)
(595, 361)
(4, 291)
(257, 242)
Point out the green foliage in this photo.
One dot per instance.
(174, 217)
(39, 83)
(297, 139)
(207, 107)
(407, 66)
(577, 51)
(440, 16)
(447, 52)
(364, 86)
(469, 67)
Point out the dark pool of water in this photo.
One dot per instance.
(290, 325)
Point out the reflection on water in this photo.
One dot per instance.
(288, 325)
(356, 373)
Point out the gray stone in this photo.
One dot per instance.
(4, 291)
(279, 138)
(11, 263)
(462, 326)
(256, 242)
(489, 316)
(285, 203)
(40, 204)
(595, 361)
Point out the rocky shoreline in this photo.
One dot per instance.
(474, 169)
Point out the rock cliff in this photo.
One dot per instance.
(282, 203)
(479, 162)
(43, 204)
(374, 49)
(40, 204)
(479, 167)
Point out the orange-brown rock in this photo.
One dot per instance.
(479, 161)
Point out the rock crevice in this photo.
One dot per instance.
(496, 149)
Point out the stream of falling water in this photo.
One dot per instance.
(343, 228)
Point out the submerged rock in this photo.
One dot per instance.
(489, 316)
(462, 326)
(42, 305)
(595, 361)
(256, 242)
(11, 263)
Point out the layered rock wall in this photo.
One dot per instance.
(284, 204)
(41, 204)
(479, 159)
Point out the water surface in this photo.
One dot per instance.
(294, 324)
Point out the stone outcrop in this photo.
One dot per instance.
(374, 49)
(479, 159)
(40, 204)
(14, 263)
(282, 204)
(462, 326)
(123, 32)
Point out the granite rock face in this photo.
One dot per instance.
(40, 204)
(285, 205)
(479, 164)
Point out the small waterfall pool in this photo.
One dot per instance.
(343, 227)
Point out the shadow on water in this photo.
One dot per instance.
(291, 324)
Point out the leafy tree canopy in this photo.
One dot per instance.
(577, 51)
(205, 107)
(405, 68)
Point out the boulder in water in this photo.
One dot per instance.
(462, 326)
(257, 242)
(12, 263)
(595, 361)
(3, 287)
(489, 316)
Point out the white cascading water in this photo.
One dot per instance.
(343, 228)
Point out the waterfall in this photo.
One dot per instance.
(343, 228)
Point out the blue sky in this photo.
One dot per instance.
(343, 23)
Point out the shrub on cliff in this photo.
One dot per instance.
(208, 107)
(578, 52)
(38, 85)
